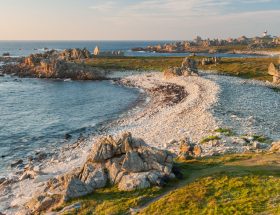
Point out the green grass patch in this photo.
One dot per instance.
(135, 63)
(209, 138)
(225, 131)
(222, 194)
(250, 68)
(112, 201)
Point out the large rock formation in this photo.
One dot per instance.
(187, 68)
(127, 162)
(274, 70)
(54, 64)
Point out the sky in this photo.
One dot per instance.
(136, 19)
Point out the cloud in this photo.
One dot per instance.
(177, 8)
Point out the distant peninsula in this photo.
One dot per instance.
(266, 44)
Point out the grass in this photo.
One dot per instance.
(209, 138)
(250, 68)
(229, 184)
(135, 63)
(225, 131)
(112, 201)
(259, 138)
(222, 194)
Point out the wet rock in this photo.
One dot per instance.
(68, 136)
(40, 156)
(16, 163)
(2, 180)
(29, 174)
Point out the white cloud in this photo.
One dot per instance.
(182, 19)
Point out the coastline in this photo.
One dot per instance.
(168, 111)
(16, 193)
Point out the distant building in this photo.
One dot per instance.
(265, 33)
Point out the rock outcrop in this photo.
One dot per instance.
(126, 162)
(209, 61)
(189, 150)
(96, 51)
(54, 64)
(187, 68)
(275, 147)
(274, 70)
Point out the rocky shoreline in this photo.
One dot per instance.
(68, 64)
(177, 118)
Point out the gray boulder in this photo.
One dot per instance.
(126, 162)
(188, 68)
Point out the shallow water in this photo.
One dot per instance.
(36, 114)
(247, 106)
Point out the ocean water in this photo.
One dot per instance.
(36, 114)
(24, 48)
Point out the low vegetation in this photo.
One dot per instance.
(209, 138)
(230, 184)
(225, 131)
(222, 194)
(252, 68)
(135, 63)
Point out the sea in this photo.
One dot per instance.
(36, 114)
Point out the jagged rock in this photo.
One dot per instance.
(133, 163)
(275, 147)
(274, 70)
(2, 180)
(6, 54)
(29, 174)
(104, 149)
(54, 64)
(172, 72)
(209, 61)
(41, 203)
(96, 51)
(134, 181)
(189, 150)
(187, 68)
(127, 162)
(197, 151)
(16, 163)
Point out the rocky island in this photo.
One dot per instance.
(257, 45)
(54, 64)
